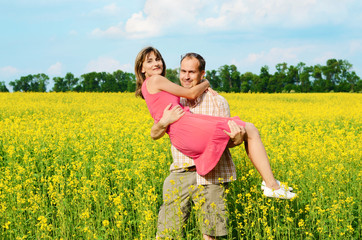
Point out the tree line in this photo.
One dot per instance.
(117, 81)
(336, 75)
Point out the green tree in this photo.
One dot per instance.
(39, 83)
(3, 87)
(121, 79)
(131, 82)
(319, 83)
(304, 76)
(22, 84)
(214, 79)
(125, 81)
(292, 79)
(247, 79)
(332, 73)
(358, 87)
(345, 69)
(70, 81)
(173, 75)
(90, 82)
(347, 79)
(31, 83)
(261, 84)
(278, 80)
(352, 79)
(230, 78)
(59, 84)
(107, 82)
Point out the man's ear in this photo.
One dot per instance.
(203, 74)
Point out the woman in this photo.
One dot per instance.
(198, 136)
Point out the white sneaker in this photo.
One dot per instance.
(281, 186)
(280, 193)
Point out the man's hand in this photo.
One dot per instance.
(236, 134)
(169, 116)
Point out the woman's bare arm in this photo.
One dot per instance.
(159, 83)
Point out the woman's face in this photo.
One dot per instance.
(152, 65)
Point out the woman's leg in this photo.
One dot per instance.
(258, 156)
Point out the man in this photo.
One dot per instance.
(184, 184)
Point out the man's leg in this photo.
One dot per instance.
(213, 216)
(176, 206)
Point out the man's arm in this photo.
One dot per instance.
(237, 133)
(169, 116)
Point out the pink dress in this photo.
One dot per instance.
(201, 137)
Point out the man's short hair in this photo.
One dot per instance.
(201, 60)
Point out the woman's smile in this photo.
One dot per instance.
(152, 65)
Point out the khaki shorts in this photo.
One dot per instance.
(179, 190)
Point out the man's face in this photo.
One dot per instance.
(190, 74)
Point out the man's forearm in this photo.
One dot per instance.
(169, 116)
(158, 130)
(237, 133)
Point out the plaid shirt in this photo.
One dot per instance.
(224, 171)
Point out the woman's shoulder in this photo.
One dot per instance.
(155, 78)
(153, 83)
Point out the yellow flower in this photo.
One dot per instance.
(105, 223)
(6, 225)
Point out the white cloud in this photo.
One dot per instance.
(160, 17)
(139, 26)
(275, 55)
(8, 71)
(112, 32)
(310, 54)
(156, 18)
(285, 13)
(107, 64)
(55, 69)
(108, 10)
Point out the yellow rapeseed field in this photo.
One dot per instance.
(83, 166)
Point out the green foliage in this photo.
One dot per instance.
(68, 83)
(335, 76)
(173, 75)
(31, 83)
(3, 87)
(119, 81)
(214, 79)
(230, 78)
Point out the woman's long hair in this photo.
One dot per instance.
(140, 77)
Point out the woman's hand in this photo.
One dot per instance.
(212, 91)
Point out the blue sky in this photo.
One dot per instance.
(59, 36)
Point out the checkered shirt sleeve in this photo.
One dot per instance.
(224, 171)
